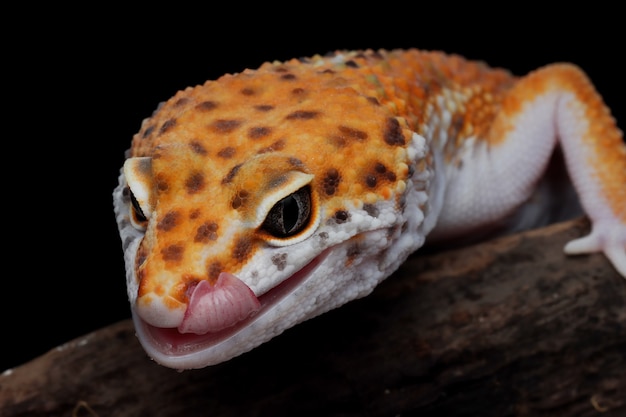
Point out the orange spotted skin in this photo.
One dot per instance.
(261, 199)
(344, 122)
(221, 135)
(403, 83)
(352, 120)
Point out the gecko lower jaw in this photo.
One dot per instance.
(170, 342)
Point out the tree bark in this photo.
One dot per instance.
(509, 327)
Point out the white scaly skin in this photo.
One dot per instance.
(384, 172)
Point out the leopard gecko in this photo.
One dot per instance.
(264, 198)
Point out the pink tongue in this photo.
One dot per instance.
(215, 307)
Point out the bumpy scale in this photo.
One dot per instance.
(264, 198)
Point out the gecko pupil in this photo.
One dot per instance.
(139, 216)
(290, 215)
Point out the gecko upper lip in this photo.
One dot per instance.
(169, 341)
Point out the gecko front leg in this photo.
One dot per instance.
(555, 105)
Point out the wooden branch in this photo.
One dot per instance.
(510, 327)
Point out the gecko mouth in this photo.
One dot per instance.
(171, 342)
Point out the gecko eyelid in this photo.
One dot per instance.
(290, 215)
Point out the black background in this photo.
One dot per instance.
(79, 87)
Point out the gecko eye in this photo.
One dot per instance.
(138, 174)
(290, 215)
(137, 212)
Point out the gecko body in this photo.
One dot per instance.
(265, 198)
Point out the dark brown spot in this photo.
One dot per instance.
(332, 174)
(231, 174)
(352, 64)
(181, 102)
(226, 152)
(247, 91)
(148, 131)
(328, 71)
(280, 260)
(391, 176)
(190, 282)
(373, 100)
(214, 269)
(242, 249)
(353, 251)
(277, 181)
(195, 182)
(371, 209)
(302, 115)
(197, 147)
(167, 125)
(297, 91)
(206, 105)
(338, 141)
(353, 133)
(276, 146)
(162, 184)
(225, 125)
(145, 166)
(194, 214)
(287, 77)
(239, 199)
(263, 107)
(380, 168)
(331, 181)
(371, 181)
(173, 253)
(206, 232)
(393, 133)
(169, 221)
(259, 132)
(341, 216)
(295, 162)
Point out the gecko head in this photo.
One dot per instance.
(240, 218)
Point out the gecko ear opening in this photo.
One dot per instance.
(138, 174)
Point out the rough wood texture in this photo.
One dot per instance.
(511, 327)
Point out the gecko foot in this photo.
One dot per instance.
(606, 238)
